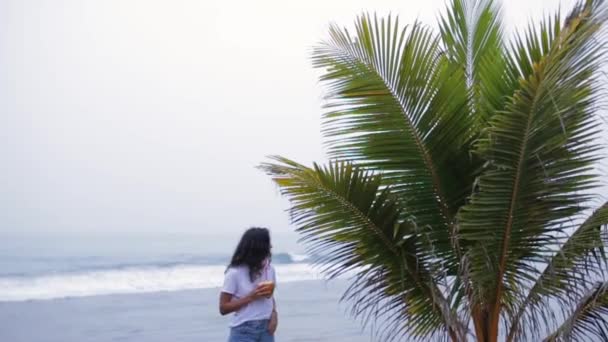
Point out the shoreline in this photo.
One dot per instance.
(308, 311)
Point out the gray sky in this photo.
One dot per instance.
(133, 116)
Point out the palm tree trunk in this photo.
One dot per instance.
(494, 321)
(486, 328)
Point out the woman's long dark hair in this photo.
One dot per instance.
(252, 250)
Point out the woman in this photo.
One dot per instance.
(248, 289)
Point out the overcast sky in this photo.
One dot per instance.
(149, 116)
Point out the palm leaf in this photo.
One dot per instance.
(397, 107)
(570, 272)
(589, 320)
(540, 151)
(353, 225)
(472, 36)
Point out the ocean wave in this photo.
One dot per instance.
(133, 280)
(42, 266)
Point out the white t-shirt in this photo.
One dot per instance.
(238, 284)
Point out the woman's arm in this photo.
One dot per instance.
(228, 304)
(274, 318)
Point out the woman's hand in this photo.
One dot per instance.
(259, 293)
(274, 322)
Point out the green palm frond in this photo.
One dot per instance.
(353, 224)
(588, 321)
(540, 152)
(472, 35)
(568, 275)
(396, 106)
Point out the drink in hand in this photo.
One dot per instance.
(268, 287)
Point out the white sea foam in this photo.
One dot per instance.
(298, 257)
(131, 280)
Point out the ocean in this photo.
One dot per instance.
(152, 288)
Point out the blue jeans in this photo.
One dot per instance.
(251, 331)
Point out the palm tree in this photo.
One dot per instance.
(461, 195)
